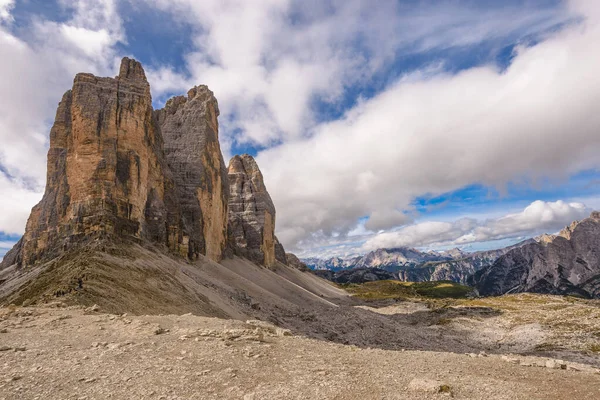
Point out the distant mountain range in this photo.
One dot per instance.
(408, 264)
(330, 264)
(565, 264)
(391, 259)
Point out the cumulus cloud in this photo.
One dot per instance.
(428, 132)
(422, 234)
(90, 42)
(268, 61)
(41, 67)
(274, 64)
(538, 217)
(435, 134)
(5, 8)
(19, 199)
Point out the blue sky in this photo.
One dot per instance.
(423, 123)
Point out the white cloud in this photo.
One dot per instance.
(538, 217)
(19, 199)
(427, 132)
(268, 60)
(35, 71)
(422, 234)
(445, 131)
(5, 8)
(91, 42)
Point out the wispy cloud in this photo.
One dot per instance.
(538, 217)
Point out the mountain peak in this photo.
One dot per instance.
(131, 69)
(565, 264)
(118, 169)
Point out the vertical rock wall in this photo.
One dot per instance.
(252, 213)
(118, 168)
(106, 171)
(191, 132)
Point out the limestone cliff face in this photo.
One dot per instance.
(191, 134)
(567, 264)
(252, 213)
(106, 171)
(119, 169)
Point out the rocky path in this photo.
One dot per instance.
(70, 353)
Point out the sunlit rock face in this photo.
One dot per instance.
(106, 170)
(111, 173)
(119, 169)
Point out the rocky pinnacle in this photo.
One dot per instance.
(252, 213)
(118, 169)
(106, 170)
(191, 133)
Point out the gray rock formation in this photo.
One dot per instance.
(280, 254)
(397, 257)
(191, 135)
(331, 264)
(119, 169)
(251, 227)
(459, 269)
(567, 264)
(106, 170)
(111, 175)
(294, 261)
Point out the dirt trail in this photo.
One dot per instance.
(69, 353)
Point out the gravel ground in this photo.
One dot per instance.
(72, 353)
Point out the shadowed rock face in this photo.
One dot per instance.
(567, 264)
(106, 171)
(190, 129)
(280, 254)
(294, 261)
(252, 214)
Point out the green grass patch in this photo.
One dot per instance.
(445, 389)
(595, 348)
(545, 347)
(389, 289)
